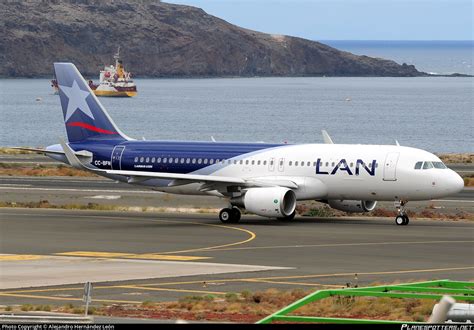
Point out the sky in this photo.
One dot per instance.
(349, 19)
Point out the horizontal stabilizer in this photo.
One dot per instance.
(40, 151)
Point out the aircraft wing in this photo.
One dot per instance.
(209, 180)
(177, 176)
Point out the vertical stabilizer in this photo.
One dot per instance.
(85, 118)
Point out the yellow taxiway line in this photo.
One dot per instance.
(20, 257)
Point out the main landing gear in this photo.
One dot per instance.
(402, 218)
(230, 215)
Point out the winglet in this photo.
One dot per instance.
(396, 142)
(327, 139)
(212, 139)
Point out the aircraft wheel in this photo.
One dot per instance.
(407, 220)
(236, 215)
(226, 215)
(400, 220)
(288, 217)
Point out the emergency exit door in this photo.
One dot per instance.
(116, 157)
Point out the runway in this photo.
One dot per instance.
(253, 255)
(81, 191)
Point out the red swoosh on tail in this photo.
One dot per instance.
(90, 127)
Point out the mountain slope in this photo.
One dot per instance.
(161, 39)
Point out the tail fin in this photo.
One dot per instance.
(85, 118)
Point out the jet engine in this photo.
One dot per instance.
(352, 205)
(268, 202)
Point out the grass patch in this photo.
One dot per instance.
(460, 158)
(468, 181)
(12, 169)
(11, 151)
(249, 307)
(26, 307)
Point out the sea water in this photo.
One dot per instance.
(433, 113)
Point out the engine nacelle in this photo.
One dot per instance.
(268, 202)
(352, 206)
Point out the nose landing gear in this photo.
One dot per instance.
(402, 218)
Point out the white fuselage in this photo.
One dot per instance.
(336, 171)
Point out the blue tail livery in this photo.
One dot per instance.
(84, 116)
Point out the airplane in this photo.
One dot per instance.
(264, 179)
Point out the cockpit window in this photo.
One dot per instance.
(427, 165)
(418, 165)
(439, 165)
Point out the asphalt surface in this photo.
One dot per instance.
(318, 253)
(82, 191)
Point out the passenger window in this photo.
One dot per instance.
(308, 164)
(314, 163)
(253, 162)
(264, 162)
(199, 160)
(418, 165)
(188, 160)
(147, 160)
(332, 164)
(176, 160)
(258, 163)
(182, 160)
(211, 161)
(136, 159)
(296, 163)
(427, 165)
(290, 163)
(165, 160)
(194, 160)
(205, 160)
(142, 159)
(170, 160)
(352, 164)
(247, 162)
(327, 164)
(153, 159)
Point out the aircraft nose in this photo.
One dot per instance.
(456, 183)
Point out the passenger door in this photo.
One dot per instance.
(390, 166)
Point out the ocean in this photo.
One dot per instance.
(432, 56)
(432, 113)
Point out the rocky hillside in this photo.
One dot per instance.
(160, 39)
